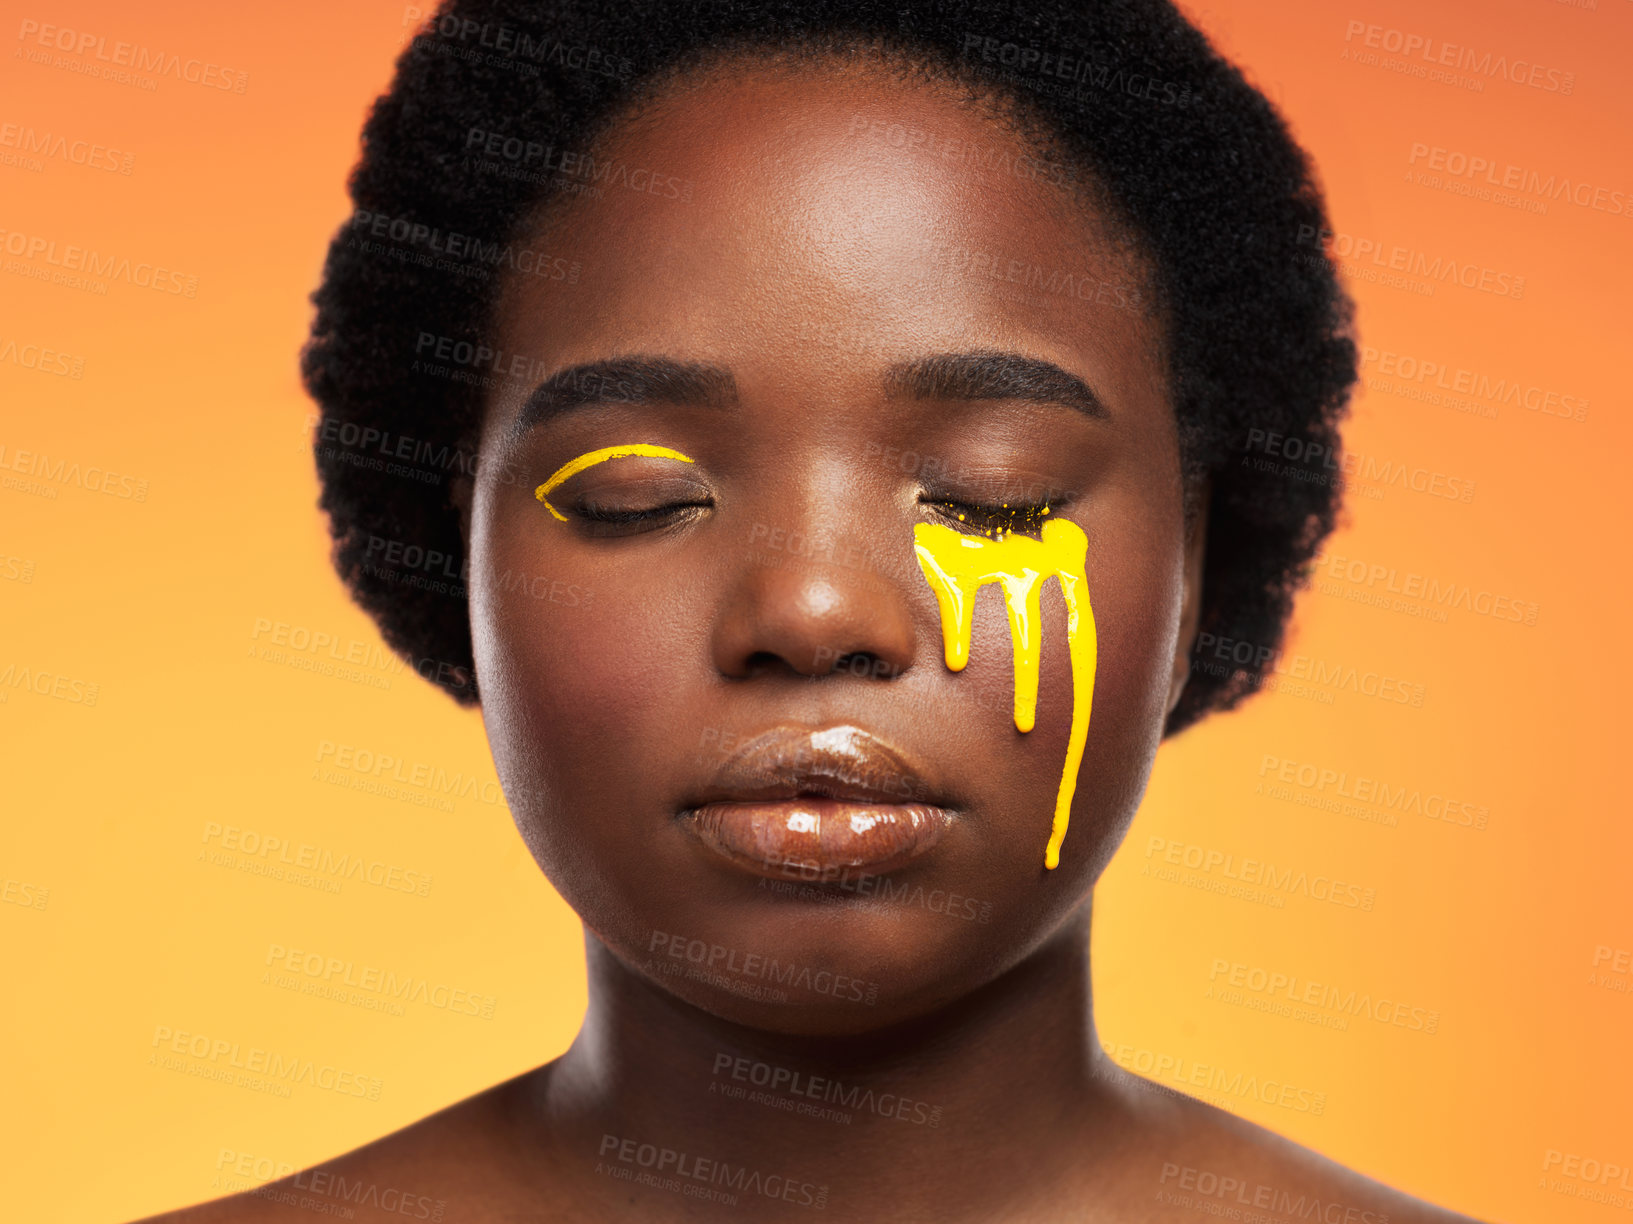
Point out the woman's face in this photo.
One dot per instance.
(716, 693)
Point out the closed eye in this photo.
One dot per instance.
(610, 521)
(995, 522)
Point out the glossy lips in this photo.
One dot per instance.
(814, 805)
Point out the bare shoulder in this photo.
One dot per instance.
(1293, 1172)
(460, 1163)
(1214, 1162)
(464, 1163)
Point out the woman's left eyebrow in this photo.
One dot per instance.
(990, 374)
(981, 374)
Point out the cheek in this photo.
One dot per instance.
(1136, 623)
(1135, 597)
(581, 675)
(1137, 607)
(575, 661)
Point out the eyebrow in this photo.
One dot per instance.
(627, 380)
(982, 374)
(987, 374)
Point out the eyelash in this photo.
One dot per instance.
(657, 516)
(978, 518)
(975, 518)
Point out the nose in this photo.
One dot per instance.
(813, 609)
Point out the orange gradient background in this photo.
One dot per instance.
(116, 920)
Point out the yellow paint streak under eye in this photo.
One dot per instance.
(573, 467)
(957, 565)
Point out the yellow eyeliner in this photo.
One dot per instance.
(957, 565)
(575, 466)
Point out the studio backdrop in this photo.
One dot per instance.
(1382, 909)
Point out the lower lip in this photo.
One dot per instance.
(818, 839)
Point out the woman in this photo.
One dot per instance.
(724, 353)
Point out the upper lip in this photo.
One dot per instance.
(841, 762)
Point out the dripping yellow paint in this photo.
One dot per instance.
(957, 565)
(590, 459)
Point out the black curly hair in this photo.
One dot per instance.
(1190, 159)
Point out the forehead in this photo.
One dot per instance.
(832, 216)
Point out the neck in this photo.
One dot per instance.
(1016, 1059)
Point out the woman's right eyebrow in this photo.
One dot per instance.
(983, 374)
(627, 380)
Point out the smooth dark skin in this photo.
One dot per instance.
(799, 265)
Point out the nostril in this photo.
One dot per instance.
(825, 661)
(863, 663)
(762, 661)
